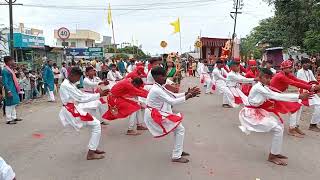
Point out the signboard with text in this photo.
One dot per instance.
(27, 41)
(85, 52)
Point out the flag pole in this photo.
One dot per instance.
(114, 40)
(180, 43)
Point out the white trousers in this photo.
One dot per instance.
(225, 99)
(135, 119)
(276, 145)
(50, 96)
(95, 134)
(295, 117)
(178, 142)
(11, 113)
(208, 84)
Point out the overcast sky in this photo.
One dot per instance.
(149, 27)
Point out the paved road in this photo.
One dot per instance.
(219, 150)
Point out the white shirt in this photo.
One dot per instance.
(150, 79)
(98, 67)
(234, 79)
(131, 68)
(162, 99)
(204, 69)
(114, 76)
(64, 73)
(69, 93)
(219, 74)
(199, 68)
(306, 75)
(90, 85)
(261, 93)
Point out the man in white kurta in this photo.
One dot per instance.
(113, 76)
(159, 117)
(72, 114)
(205, 77)
(219, 74)
(90, 84)
(307, 75)
(257, 115)
(234, 79)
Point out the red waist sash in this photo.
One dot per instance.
(72, 109)
(158, 118)
(270, 107)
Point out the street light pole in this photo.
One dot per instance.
(238, 4)
(11, 3)
(11, 29)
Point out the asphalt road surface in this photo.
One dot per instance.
(39, 148)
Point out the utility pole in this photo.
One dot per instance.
(237, 5)
(11, 3)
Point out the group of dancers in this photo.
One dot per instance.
(140, 95)
(261, 91)
(149, 96)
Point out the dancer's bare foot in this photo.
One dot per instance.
(93, 156)
(141, 128)
(133, 133)
(294, 133)
(99, 152)
(298, 130)
(180, 160)
(276, 160)
(281, 156)
(314, 127)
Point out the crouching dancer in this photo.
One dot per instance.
(159, 117)
(257, 117)
(72, 114)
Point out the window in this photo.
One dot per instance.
(73, 44)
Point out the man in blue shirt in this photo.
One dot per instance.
(122, 67)
(48, 79)
(12, 89)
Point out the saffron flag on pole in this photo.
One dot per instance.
(109, 15)
(176, 25)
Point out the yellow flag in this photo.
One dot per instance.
(176, 25)
(109, 15)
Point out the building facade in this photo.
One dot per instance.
(79, 39)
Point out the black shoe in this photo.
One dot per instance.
(18, 119)
(185, 154)
(11, 122)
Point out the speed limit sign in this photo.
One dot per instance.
(63, 33)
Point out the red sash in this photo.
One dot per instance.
(72, 109)
(268, 106)
(158, 118)
(238, 100)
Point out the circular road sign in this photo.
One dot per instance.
(63, 33)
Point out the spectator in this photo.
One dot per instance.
(12, 89)
(21, 86)
(98, 69)
(48, 80)
(63, 71)
(104, 70)
(56, 73)
(121, 67)
(27, 86)
(33, 82)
